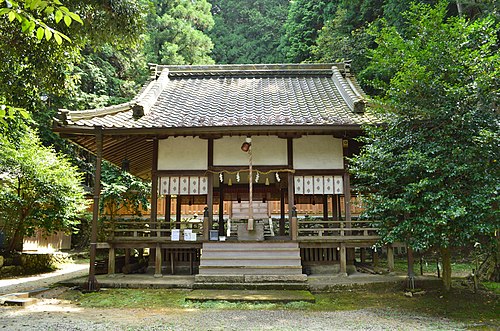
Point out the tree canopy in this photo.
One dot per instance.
(431, 169)
(39, 188)
(247, 31)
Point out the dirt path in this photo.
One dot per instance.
(30, 283)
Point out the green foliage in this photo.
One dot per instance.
(305, 19)
(431, 171)
(33, 15)
(248, 31)
(121, 190)
(39, 188)
(176, 32)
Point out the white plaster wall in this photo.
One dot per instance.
(317, 152)
(183, 153)
(265, 151)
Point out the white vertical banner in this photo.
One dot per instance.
(338, 184)
(318, 184)
(194, 185)
(184, 186)
(203, 185)
(164, 185)
(299, 184)
(174, 185)
(328, 185)
(308, 185)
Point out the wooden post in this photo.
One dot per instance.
(111, 260)
(178, 212)
(347, 201)
(325, 207)
(206, 226)
(127, 256)
(250, 223)
(210, 203)
(154, 188)
(168, 207)
(343, 260)
(291, 204)
(293, 224)
(362, 255)
(375, 257)
(390, 258)
(158, 261)
(335, 207)
(221, 210)
(92, 284)
(282, 212)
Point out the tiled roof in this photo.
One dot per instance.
(236, 95)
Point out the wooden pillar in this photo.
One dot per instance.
(347, 200)
(206, 228)
(375, 257)
(362, 255)
(168, 207)
(154, 188)
(335, 207)
(291, 206)
(210, 204)
(221, 210)
(178, 212)
(291, 192)
(208, 214)
(325, 207)
(92, 284)
(127, 256)
(111, 260)
(293, 224)
(158, 261)
(343, 260)
(282, 212)
(390, 258)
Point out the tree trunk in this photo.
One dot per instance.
(459, 8)
(446, 259)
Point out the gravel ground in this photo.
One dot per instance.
(29, 283)
(54, 314)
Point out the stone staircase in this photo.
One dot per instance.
(250, 265)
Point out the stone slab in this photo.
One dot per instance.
(256, 235)
(254, 296)
(275, 278)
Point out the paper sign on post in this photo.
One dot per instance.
(175, 236)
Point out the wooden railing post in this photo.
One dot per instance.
(206, 224)
(111, 260)
(343, 260)
(158, 261)
(293, 225)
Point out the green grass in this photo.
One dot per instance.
(429, 267)
(459, 305)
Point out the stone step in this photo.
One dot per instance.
(230, 256)
(251, 286)
(269, 270)
(300, 278)
(249, 245)
(250, 262)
